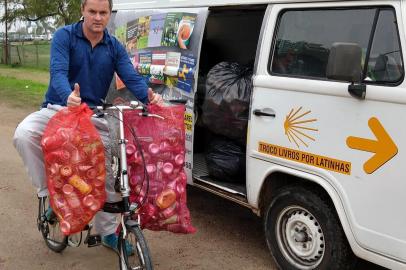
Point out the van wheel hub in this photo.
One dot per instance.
(300, 237)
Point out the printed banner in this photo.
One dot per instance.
(163, 46)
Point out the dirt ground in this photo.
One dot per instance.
(229, 237)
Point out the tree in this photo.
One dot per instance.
(63, 11)
(5, 43)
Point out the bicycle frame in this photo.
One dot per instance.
(124, 184)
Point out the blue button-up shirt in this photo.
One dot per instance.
(73, 60)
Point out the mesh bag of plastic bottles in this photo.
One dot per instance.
(162, 142)
(75, 167)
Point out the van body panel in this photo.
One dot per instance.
(334, 116)
(130, 4)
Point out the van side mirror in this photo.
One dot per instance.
(344, 64)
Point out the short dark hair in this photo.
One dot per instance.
(83, 2)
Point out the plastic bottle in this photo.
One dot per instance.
(65, 227)
(88, 200)
(57, 181)
(60, 156)
(52, 142)
(168, 212)
(70, 196)
(77, 156)
(61, 207)
(64, 133)
(130, 149)
(167, 168)
(151, 168)
(65, 171)
(91, 173)
(95, 206)
(179, 159)
(164, 146)
(80, 184)
(153, 149)
(166, 198)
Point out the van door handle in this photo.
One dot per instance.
(258, 112)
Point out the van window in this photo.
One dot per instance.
(385, 60)
(304, 39)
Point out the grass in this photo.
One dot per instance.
(25, 73)
(20, 92)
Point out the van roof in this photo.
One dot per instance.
(153, 4)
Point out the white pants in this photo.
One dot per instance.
(27, 138)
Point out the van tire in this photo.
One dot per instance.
(293, 212)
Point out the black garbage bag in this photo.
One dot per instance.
(226, 160)
(227, 99)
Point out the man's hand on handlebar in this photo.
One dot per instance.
(74, 98)
(155, 98)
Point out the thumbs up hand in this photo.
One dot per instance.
(74, 98)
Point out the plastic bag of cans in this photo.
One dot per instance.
(163, 204)
(75, 167)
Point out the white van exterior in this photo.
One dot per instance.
(325, 148)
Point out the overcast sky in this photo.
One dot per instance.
(14, 26)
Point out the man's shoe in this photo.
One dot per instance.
(111, 241)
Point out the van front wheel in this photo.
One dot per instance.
(303, 232)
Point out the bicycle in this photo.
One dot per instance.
(129, 228)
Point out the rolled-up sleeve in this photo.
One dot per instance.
(131, 78)
(59, 65)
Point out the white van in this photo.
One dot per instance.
(325, 147)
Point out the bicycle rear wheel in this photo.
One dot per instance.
(49, 227)
(140, 259)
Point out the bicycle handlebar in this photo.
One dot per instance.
(134, 105)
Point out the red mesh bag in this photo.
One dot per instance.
(163, 204)
(75, 167)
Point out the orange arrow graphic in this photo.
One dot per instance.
(384, 147)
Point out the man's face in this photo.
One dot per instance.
(96, 14)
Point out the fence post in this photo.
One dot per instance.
(23, 55)
(36, 49)
(8, 51)
(19, 57)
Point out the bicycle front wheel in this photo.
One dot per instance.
(133, 249)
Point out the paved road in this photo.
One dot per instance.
(229, 237)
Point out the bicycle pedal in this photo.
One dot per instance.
(93, 240)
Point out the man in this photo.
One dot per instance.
(84, 58)
(283, 61)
